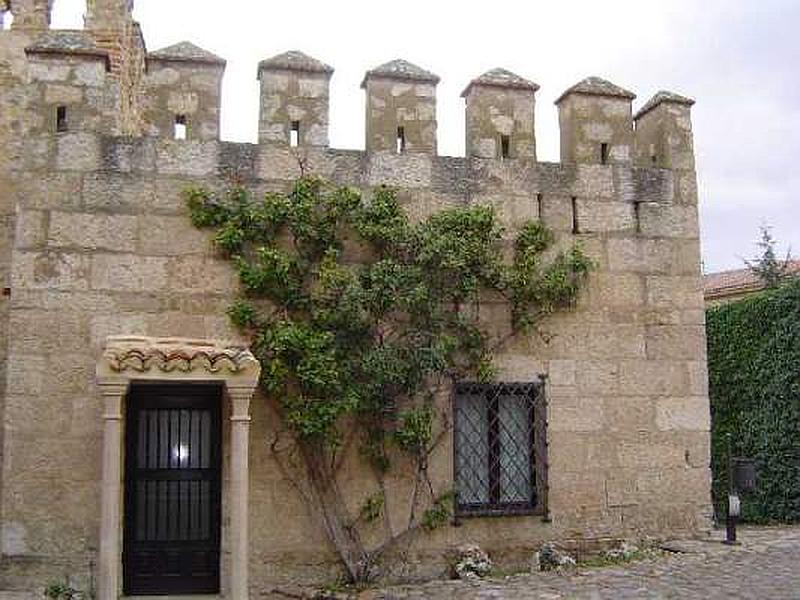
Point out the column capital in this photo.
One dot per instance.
(240, 402)
(241, 391)
(113, 387)
(113, 391)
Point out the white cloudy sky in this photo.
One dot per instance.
(739, 58)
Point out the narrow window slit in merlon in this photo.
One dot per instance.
(61, 118)
(180, 127)
(575, 224)
(505, 146)
(401, 140)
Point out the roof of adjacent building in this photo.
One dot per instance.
(401, 69)
(66, 42)
(597, 86)
(661, 97)
(724, 283)
(186, 52)
(500, 77)
(294, 60)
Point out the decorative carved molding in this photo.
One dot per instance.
(143, 354)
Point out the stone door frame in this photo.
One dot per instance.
(133, 359)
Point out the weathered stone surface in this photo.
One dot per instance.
(160, 235)
(665, 220)
(92, 231)
(683, 413)
(31, 229)
(671, 342)
(128, 272)
(187, 158)
(653, 377)
(78, 152)
(115, 192)
(99, 243)
(50, 270)
(596, 216)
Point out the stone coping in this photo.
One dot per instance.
(400, 70)
(597, 86)
(294, 60)
(186, 52)
(660, 98)
(501, 78)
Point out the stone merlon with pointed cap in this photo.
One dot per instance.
(76, 43)
(295, 91)
(401, 108)
(184, 92)
(660, 98)
(186, 52)
(400, 69)
(597, 86)
(500, 116)
(501, 78)
(81, 63)
(294, 60)
(664, 133)
(596, 123)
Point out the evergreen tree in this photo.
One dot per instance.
(767, 267)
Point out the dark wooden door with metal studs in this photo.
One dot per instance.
(172, 490)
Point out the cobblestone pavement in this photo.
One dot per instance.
(766, 566)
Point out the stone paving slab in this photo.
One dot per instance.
(766, 566)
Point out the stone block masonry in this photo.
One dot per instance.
(95, 241)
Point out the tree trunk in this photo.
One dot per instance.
(332, 508)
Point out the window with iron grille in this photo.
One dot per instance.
(495, 442)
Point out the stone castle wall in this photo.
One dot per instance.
(103, 245)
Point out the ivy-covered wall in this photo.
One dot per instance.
(754, 376)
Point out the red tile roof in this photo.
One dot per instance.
(738, 280)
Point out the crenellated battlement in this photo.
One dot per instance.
(175, 93)
(99, 140)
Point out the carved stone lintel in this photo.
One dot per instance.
(134, 354)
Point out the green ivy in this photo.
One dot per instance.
(754, 375)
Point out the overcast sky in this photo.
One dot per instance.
(739, 58)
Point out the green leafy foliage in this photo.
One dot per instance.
(372, 508)
(416, 429)
(342, 335)
(439, 513)
(754, 353)
(62, 590)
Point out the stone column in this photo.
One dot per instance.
(239, 490)
(111, 494)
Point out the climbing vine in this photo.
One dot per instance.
(359, 317)
(753, 358)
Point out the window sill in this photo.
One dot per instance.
(498, 512)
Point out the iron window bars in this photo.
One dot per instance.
(500, 448)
